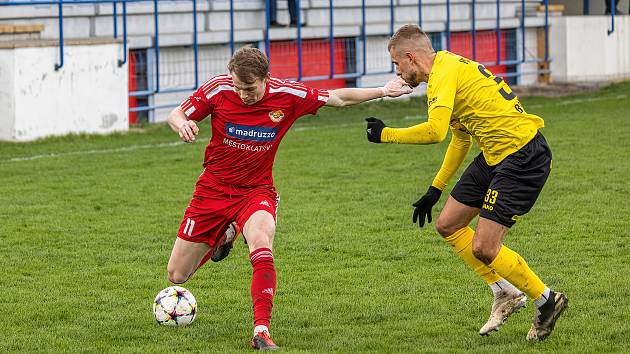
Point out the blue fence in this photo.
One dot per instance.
(586, 10)
(150, 84)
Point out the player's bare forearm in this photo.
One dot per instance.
(351, 96)
(187, 129)
(176, 119)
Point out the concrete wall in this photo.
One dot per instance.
(583, 51)
(87, 95)
(7, 94)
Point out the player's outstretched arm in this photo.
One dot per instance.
(430, 132)
(350, 96)
(187, 129)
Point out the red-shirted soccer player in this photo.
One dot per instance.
(251, 112)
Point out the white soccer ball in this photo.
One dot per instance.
(175, 306)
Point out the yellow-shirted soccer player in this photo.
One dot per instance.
(500, 185)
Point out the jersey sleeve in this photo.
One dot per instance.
(198, 106)
(442, 87)
(312, 101)
(430, 132)
(455, 155)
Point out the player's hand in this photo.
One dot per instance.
(188, 131)
(396, 87)
(424, 205)
(374, 129)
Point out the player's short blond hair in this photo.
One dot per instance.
(249, 64)
(412, 37)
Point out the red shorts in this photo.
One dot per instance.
(214, 206)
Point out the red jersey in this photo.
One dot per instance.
(245, 138)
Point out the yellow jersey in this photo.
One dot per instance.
(483, 106)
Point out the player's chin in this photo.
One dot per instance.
(250, 102)
(411, 83)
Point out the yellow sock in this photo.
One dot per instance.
(461, 241)
(511, 266)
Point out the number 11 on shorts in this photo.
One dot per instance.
(190, 224)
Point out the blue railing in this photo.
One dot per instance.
(361, 69)
(612, 16)
(586, 10)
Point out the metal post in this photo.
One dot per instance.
(420, 13)
(124, 14)
(612, 17)
(363, 37)
(195, 43)
(60, 20)
(231, 26)
(267, 39)
(156, 46)
(523, 29)
(448, 25)
(586, 8)
(498, 30)
(391, 26)
(331, 36)
(298, 10)
(115, 13)
(546, 31)
(474, 29)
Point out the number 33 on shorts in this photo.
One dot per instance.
(490, 199)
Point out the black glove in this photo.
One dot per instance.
(423, 205)
(374, 128)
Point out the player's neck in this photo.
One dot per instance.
(426, 65)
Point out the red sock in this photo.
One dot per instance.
(263, 285)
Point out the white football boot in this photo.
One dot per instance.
(505, 304)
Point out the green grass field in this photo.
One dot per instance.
(88, 223)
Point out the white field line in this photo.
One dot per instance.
(297, 129)
(580, 100)
(92, 152)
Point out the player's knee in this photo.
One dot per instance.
(482, 253)
(444, 228)
(176, 277)
(259, 239)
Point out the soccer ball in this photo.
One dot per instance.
(175, 306)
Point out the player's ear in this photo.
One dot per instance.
(411, 56)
